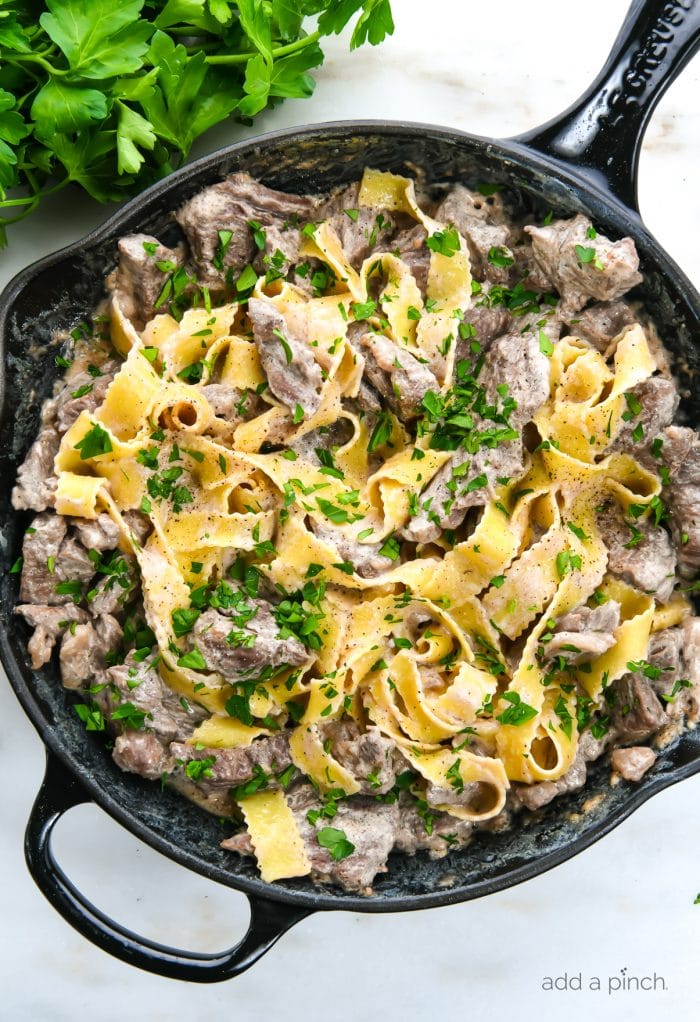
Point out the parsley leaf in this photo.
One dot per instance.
(336, 842)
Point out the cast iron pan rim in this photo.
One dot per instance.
(516, 154)
(316, 899)
(507, 150)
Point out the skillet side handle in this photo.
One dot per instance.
(602, 133)
(59, 792)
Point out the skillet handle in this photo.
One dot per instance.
(601, 135)
(59, 792)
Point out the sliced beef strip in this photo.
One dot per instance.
(233, 767)
(68, 408)
(36, 481)
(681, 455)
(137, 280)
(231, 205)
(238, 662)
(474, 219)
(659, 399)
(435, 832)
(396, 374)
(535, 796)
(648, 565)
(51, 557)
(140, 752)
(84, 650)
(515, 360)
(601, 323)
(365, 558)
(370, 757)
(608, 274)
(636, 710)
(294, 382)
(48, 624)
(632, 763)
(585, 633)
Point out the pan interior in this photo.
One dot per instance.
(60, 292)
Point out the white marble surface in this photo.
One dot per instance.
(627, 903)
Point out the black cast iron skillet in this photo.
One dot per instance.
(584, 160)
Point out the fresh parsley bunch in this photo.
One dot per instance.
(111, 94)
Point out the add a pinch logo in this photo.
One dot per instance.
(623, 981)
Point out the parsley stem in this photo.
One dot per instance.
(34, 58)
(35, 196)
(279, 51)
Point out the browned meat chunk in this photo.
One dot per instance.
(396, 374)
(114, 591)
(585, 633)
(36, 482)
(601, 323)
(51, 559)
(370, 757)
(633, 763)
(477, 222)
(420, 829)
(168, 716)
(368, 825)
(232, 205)
(293, 375)
(102, 533)
(83, 392)
(410, 247)
(516, 362)
(582, 264)
(48, 623)
(144, 266)
(658, 401)
(84, 650)
(681, 455)
(363, 231)
(489, 322)
(534, 796)
(140, 752)
(637, 713)
(676, 654)
(232, 767)
(648, 563)
(245, 642)
(365, 558)
(225, 401)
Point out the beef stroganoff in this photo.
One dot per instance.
(363, 520)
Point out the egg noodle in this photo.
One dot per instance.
(535, 554)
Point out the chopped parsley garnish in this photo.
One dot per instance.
(381, 434)
(500, 256)
(131, 716)
(588, 255)
(193, 660)
(94, 443)
(286, 347)
(518, 712)
(196, 769)
(91, 716)
(444, 242)
(336, 842)
(184, 620)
